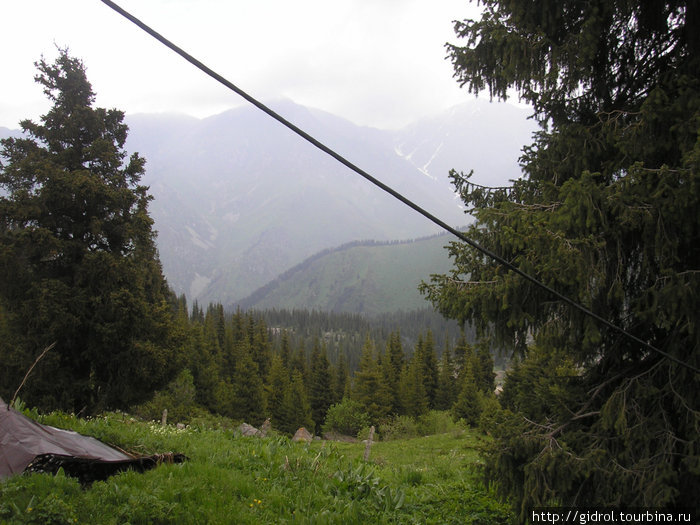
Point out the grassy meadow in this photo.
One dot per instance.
(233, 479)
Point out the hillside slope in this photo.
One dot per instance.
(368, 278)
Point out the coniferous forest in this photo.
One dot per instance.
(240, 366)
(599, 402)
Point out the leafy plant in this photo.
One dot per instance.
(399, 427)
(347, 417)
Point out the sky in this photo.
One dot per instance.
(379, 63)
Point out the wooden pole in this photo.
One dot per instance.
(12, 401)
(369, 442)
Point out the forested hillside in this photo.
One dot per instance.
(370, 278)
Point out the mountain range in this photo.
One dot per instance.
(240, 200)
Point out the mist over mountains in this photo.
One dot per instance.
(239, 199)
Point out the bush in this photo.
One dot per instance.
(363, 434)
(403, 427)
(178, 398)
(347, 417)
(437, 422)
(399, 427)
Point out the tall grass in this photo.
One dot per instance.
(234, 479)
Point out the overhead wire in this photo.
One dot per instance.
(279, 118)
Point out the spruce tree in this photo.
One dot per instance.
(394, 352)
(605, 212)
(467, 406)
(482, 363)
(285, 349)
(247, 387)
(296, 407)
(320, 394)
(260, 345)
(340, 380)
(299, 362)
(78, 257)
(430, 368)
(392, 365)
(447, 389)
(462, 351)
(368, 387)
(206, 372)
(275, 388)
(414, 399)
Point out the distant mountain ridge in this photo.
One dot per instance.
(239, 200)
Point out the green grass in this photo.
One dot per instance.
(232, 479)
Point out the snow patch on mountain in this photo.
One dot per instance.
(197, 240)
(199, 284)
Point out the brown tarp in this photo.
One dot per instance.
(28, 445)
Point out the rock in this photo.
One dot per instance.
(248, 430)
(303, 435)
(266, 427)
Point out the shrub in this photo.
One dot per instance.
(178, 397)
(399, 427)
(347, 417)
(436, 422)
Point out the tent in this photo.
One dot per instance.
(27, 446)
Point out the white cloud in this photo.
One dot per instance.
(376, 62)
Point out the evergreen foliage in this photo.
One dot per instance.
(347, 418)
(414, 398)
(340, 385)
(346, 333)
(226, 380)
(78, 257)
(178, 399)
(248, 401)
(369, 389)
(296, 409)
(426, 359)
(276, 386)
(467, 405)
(482, 368)
(605, 212)
(320, 392)
(446, 393)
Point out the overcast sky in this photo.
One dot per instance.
(375, 62)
